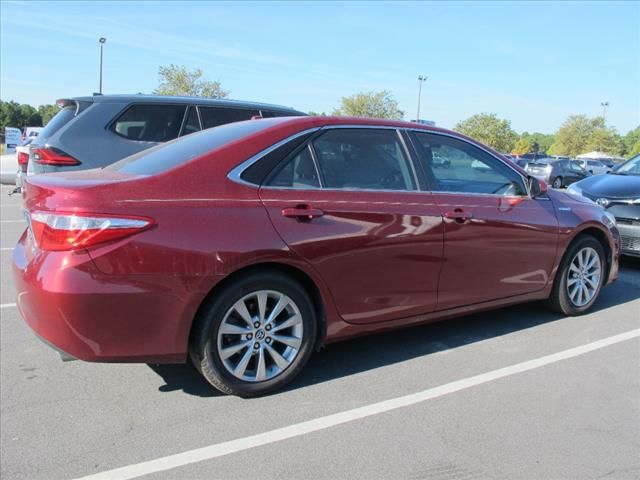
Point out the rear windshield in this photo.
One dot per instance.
(166, 156)
(58, 121)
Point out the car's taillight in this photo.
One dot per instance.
(53, 156)
(63, 231)
(23, 158)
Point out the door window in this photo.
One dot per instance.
(214, 116)
(354, 158)
(457, 166)
(150, 123)
(299, 172)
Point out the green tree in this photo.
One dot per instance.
(370, 105)
(580, 134)
(490, 130)
(177, 80)
(13, 114)
(543, 140)
(47, 112)
(523, 145)
(635, 149)
(630, 140)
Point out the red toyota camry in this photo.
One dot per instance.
(249, 245)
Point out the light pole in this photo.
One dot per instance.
(102, 41)
(604, 106)
(421, 80)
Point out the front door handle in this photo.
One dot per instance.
(459, 215)
(302, 213)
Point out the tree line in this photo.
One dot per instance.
(578, 134)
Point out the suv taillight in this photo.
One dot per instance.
(53, 156)
(68, 231)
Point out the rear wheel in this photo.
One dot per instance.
(255, 336)
(580, 277)
(557, 183)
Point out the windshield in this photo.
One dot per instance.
(630, 167)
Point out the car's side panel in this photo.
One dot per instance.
(379, 252)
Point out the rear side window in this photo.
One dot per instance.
(150, 123)
(371, 159)
(212, 116)
(166, 156)
(192, 124)
(299, 172)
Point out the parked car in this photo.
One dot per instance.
(96, 131)
(594, 167)
(29, 133)
(557, 173)
(619, 194)
(251, 244)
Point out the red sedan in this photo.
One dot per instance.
(249, 245)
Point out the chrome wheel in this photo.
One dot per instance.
(260, 336)
(557, 183)
(583, 277)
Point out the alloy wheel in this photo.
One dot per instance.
(260, 336)
(583, 276)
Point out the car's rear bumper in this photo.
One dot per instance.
(91, 316)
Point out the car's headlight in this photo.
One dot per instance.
(575, 189)
(609, 220)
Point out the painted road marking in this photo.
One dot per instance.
(233, 446)
(7, 305)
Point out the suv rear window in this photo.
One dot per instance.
(58, 121)
(150, 123)
(166, 156)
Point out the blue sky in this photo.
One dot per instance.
(533, 63)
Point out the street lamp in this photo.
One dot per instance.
(604, 106)
(102, 41)
(421, 80)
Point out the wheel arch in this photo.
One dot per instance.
(297, 274)
(602, 239)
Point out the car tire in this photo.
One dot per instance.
(265, 362)
(578, 284)
(557, 182)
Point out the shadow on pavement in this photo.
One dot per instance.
(374, 351)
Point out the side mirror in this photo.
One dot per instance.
(537, 188)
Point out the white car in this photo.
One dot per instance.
(595, 167)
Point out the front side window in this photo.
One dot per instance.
(355, 158)
(457, 166)
(150, 123)
(214, 116)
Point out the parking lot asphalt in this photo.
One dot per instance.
(515, 393)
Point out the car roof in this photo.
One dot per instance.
(141, 97)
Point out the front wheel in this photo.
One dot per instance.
(557, 183)
(255, 336)
(580, 277)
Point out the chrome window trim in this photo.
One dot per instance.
(235, 173)
(455, 137)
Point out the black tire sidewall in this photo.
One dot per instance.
(205, 341)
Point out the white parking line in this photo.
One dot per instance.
(6, 249)
(12, 221)
(322, 423)
(7, 305)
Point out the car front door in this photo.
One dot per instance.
(498, 241)
(348, 202)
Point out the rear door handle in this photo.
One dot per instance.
(302, 213)
(459, 215)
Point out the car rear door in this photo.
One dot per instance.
(348, 202)
(498, 242)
